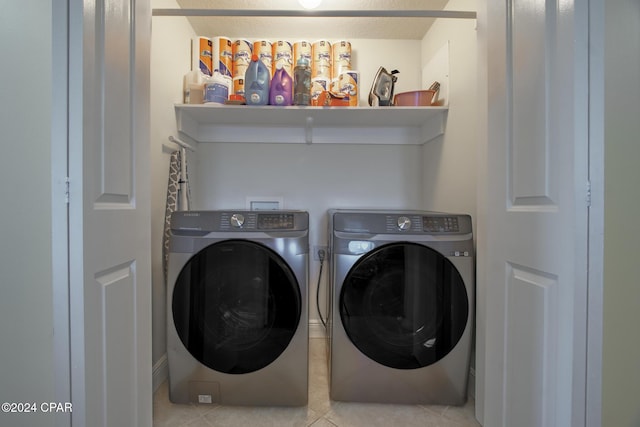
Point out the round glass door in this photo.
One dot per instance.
(404, 305)
(236, 306)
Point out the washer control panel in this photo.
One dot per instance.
(440, 224)
(200, 223)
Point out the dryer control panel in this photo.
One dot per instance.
(423, 224)
(400, 222)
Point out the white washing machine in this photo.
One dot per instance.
(401, 306)
(237, 322)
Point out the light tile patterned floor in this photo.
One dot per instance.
(320, 412)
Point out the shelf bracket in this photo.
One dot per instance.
(181, 143)
(308, 130)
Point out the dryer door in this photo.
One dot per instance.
(236, 306)
(404, 305)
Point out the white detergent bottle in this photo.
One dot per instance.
(193, 87)
(217, 88)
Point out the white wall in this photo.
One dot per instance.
(26, 308)
(170, 60)
(449, 177)
(621, 317)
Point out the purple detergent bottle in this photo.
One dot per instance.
(281, 90)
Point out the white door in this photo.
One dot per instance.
(110, 267)
(532, 321)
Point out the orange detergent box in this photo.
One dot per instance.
(332, 99)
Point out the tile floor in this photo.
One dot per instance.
(320, 412)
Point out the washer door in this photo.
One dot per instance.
(404, 305)
(236, 306)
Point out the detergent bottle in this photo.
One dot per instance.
(302, 82)
(217, 88)
(281, 90)
(256, 82)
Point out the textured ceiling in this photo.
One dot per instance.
(312, 28)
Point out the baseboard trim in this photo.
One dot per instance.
(316, 329)
(160, 371)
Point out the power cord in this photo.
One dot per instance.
(321, 256)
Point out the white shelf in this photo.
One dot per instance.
(327, 125)
(361, 13)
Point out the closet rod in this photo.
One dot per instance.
(181, 143)
(319, 13)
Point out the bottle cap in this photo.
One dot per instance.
(303, 61)
(254, 58)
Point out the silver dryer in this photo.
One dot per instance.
(401, 306)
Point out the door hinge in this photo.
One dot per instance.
(588, 197)
(66, 189)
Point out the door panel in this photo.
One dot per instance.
(116, 85)
(116, 311)
(536, 236)
(530, 346)
(527, 63)
(110, 212)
